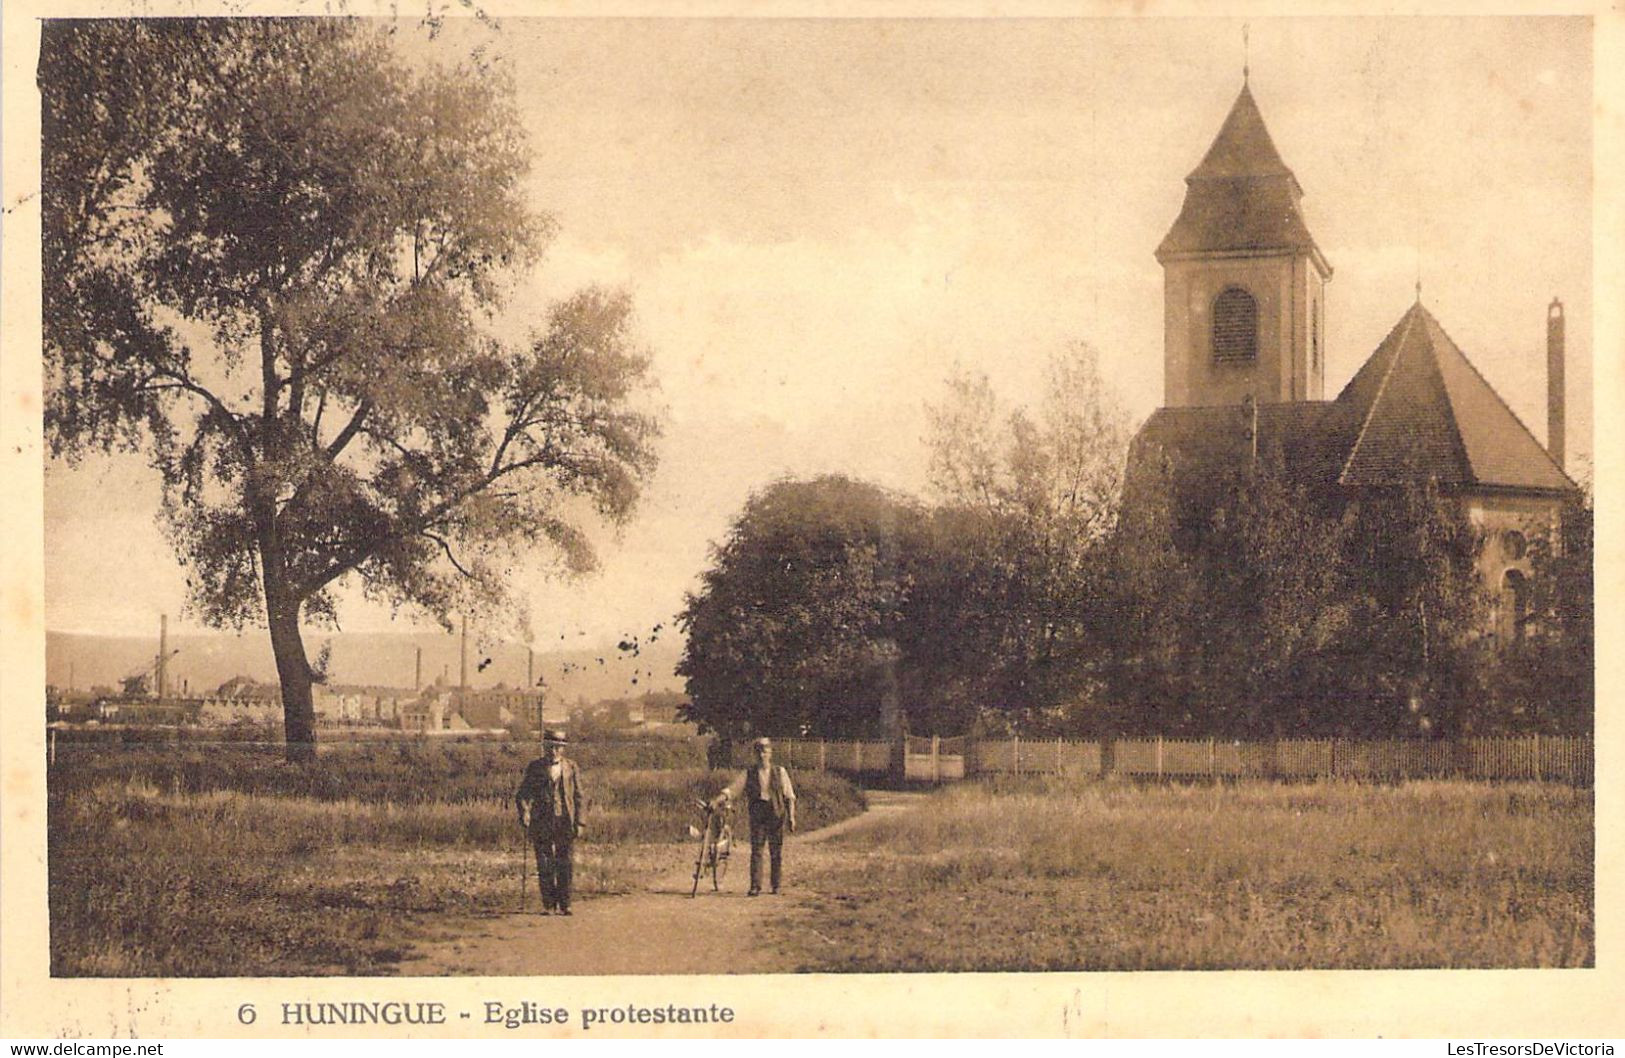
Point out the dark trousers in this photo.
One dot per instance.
(555, 840)
(765, 829)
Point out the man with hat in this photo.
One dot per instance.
(550, 805)
(771, 801)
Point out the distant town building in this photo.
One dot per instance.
(503, 707)
(241, 700)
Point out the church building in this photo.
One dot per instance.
(1244, 372)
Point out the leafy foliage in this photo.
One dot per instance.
(794, 627)
(835, 608)
(1026, 501)
(1248, 604)
(1283, 609)
(1545, 678)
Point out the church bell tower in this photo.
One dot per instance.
(1243, 281)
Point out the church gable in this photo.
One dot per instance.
(1500, 449)
(1408, 432)
(1426, 411)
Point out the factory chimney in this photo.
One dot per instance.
(462, 663)
(1555, 403)
(163, 654)
(417, 672)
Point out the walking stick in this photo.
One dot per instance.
(524, 870)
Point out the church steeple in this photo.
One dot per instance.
(1242, 196)
(1243, 147)
(1243, 278)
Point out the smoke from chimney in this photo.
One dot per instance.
(1555, 401)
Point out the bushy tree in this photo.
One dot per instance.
(1286, 609)
(1544, 679)
(1417, 648)
(272, 259)
(1147, 595)
(832, 599)
(1026, 500)
(794, 627)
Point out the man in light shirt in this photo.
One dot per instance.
(550, 796)
(771, 801)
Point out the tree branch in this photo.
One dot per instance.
(180, 380)
(446, 546)
(351, 428)
(414, 526)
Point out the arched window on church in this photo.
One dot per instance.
(1235, 327)
(1314, 335)
(1514, 606)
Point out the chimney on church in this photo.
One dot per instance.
(1555, 404)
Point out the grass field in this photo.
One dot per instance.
(183, 861)
(1053, 875)
(226, 861)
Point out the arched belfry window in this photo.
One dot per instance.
(1314, 335)
(1235, 327)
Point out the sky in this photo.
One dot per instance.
(820, 220)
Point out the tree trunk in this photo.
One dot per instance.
(293, 670)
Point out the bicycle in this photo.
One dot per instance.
(716, 842)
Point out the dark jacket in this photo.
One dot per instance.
(548, 801)
(777, 781)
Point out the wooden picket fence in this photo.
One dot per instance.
(855, 758)
(1542, 758)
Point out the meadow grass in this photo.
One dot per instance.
(403, 771)
(179, 867)
(1056, 874)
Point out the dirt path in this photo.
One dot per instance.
(658, 931)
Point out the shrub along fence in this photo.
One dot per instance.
(1553, 758)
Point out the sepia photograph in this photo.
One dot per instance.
(600, 497)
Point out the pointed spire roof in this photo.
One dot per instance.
(1242, 196)
(1243, 148)
(1425, 410)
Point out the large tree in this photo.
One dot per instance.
(273, 263)
(1417, 649)
(1026, 500)
(1266, 607)
(794, 628)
